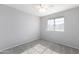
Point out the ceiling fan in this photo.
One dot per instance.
(42, 7)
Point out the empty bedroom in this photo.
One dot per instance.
(39, 28)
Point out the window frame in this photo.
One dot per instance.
(49, 25)
(55, 24)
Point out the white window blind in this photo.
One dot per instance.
(51, 25)
(59, 24)
(56, 24)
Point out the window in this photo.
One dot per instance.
(50, 25)
(59, 24)
(56, 24)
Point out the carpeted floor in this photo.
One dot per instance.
(41, 47)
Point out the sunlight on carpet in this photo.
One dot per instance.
(39, 49)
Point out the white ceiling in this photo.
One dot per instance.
(28, 8)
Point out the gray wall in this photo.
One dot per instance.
(17, 27)
(70, 36)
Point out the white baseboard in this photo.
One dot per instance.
(17, 45)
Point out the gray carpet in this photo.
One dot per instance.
(41, 47)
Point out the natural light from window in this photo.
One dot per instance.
(50, 25)
(56, 24)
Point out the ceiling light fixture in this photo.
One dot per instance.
(41, 7)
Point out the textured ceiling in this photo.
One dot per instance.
(29, 8)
